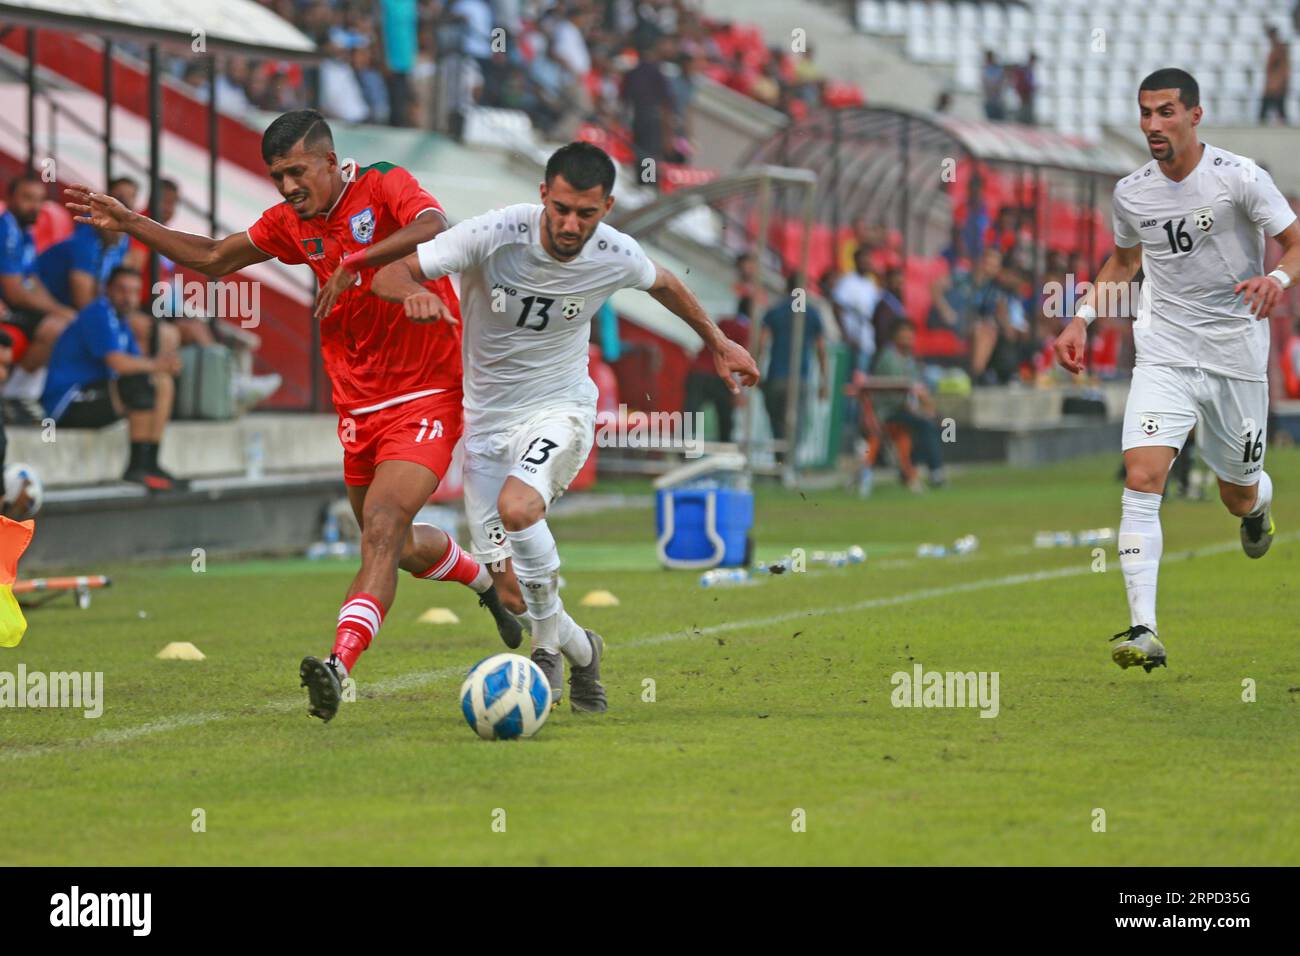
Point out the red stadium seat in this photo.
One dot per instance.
(53, 224)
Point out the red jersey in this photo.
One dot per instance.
(374, 355)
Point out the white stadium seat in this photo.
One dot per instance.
(871, 16)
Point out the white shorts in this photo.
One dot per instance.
(545, 451)
(1230, 416)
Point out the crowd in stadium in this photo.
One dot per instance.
(82, 343)
(625, 69)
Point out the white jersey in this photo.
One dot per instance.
(527, 315)
(1200, 237)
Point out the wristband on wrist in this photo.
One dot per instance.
(1087, 313)
(1281, 277)
(355, 261)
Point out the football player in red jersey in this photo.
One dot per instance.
(396, 383)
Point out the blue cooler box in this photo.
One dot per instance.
(703, 527)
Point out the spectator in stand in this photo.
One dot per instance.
(994, 83)
(704, 387)
(1025, 81)
(1005, 341)
(914, 410)
(73, 270)
(855, 297)
(1277, 77)
(400, 26)
(97, 375)
(889, 310)
(373, 85)
(36, 315)
(649, 98)
(568, 34)
(751, 297)
(341, 94)
(776, 342)
(966, 298)
(943, 103)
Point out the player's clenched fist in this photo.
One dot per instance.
(427, 307)
(1070, 345)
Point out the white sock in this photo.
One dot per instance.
(573, 641)
(1263, 494)
(537, 564)
(1141, 543)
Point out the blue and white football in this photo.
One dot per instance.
(505, 696)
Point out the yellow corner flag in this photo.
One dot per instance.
(14, 538)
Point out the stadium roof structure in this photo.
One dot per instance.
(895, 166)
(230, 26)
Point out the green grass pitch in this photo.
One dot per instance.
(769, 699)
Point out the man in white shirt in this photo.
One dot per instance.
(532, 277)
(856, 295)
(1194, 220)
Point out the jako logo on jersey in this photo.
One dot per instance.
(572, 305)
(314, 248)
(363, 225)
(1150, 424)
(434, 432)
(1204, 219)
(1146, 223)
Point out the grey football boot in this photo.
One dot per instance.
(1257, 533)
(552, 665)
(586, 692)
(1142, 647)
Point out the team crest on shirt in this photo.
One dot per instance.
(1150, 424)
(572, 305)
(363, 225)
(1204, 219)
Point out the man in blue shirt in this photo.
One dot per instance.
(97, 375)
(74, 269)
(36, 315)
(778, 336)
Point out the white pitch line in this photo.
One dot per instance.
(424, 678)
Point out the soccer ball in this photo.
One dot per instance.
(24, 491)
(505, 696)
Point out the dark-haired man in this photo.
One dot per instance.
(36, 315)
(1194, 220)
(397, 385)
(532, 277)
(97, 375)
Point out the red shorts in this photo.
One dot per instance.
(422, 430)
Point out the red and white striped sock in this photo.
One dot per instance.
(460, 567)
(359, 620)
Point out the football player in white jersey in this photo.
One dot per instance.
(1194, 220)
(532, 277)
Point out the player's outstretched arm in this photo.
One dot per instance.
(1262, 293)
(729, 358)
(400, 282)
(213, 257)
(401, 243)
(1071, 344)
